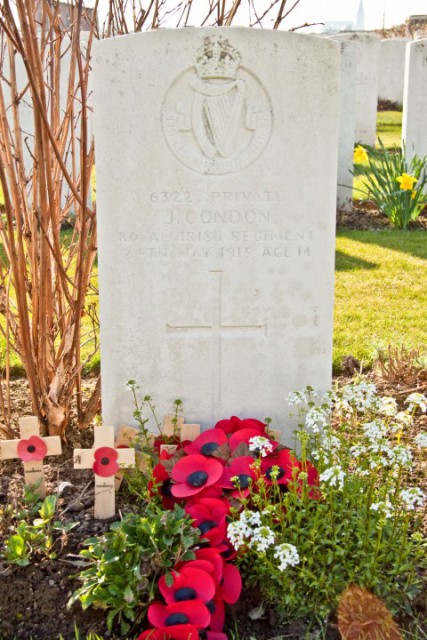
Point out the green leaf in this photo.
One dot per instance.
(128, 594)
(48, 508)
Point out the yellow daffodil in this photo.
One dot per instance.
(406, 182)
(360, 155)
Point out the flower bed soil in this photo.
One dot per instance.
(33, 599)
(366, 217)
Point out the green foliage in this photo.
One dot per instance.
(125, 563)
(360, 528)
(381, 174)
(37, 538)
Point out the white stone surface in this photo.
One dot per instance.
(347, 118)
(216, 208)
(414, 120)
(367, 66)
(392, 69)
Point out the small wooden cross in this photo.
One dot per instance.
(106, 461)
(174, 425)
(126, 437)
(31, 448)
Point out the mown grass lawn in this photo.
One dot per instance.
(389, 128)
(380, 292)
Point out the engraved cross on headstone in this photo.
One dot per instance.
(216, 331)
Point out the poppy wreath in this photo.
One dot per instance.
(220, 467)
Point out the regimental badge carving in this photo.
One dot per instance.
(217, 117)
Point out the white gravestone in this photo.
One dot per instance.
(392, 69)
(414, 120)
(347, 116)
(216, 154)
(367, 64)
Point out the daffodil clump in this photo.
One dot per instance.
(353, 517)
(396, 187)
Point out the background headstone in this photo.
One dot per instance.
(26, 112)
(392, 69)
(347, 115)
(367, 64)
(414, 118)
(216, 156)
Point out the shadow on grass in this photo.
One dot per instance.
(346, 262)
(412, 242)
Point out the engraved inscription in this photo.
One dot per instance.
(218, 225)
(217, 117)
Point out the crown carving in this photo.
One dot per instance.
(216, 58)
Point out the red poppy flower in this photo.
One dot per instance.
(228, 552)
(239, 469)
(161, 485)
(193, 612)
(217, 610)
(287, 467)
(209, 560)
(243, 435)
(174, 632)
(193, 473)
(209, 492)
(207, 442)
(209, 516)
(212, 635)
(231, 584)
(105, 464)
(188, 584)
(32, 449)
(235, 423)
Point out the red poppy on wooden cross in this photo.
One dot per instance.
(106, 461)
(31, 448)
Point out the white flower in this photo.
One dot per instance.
(302, 397)
(361, 396)
(400, 455)
(384, 507)
(251, 518)
(260, 445)
(404, 418)
(287, 555)
(317, 418)
(387, 406)
(421, 440)
(358, 450)
(334, 476)
(238, 533)
(262, 538)
(295, 398)
(412, 498)
(416, 400)
(374, 431)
